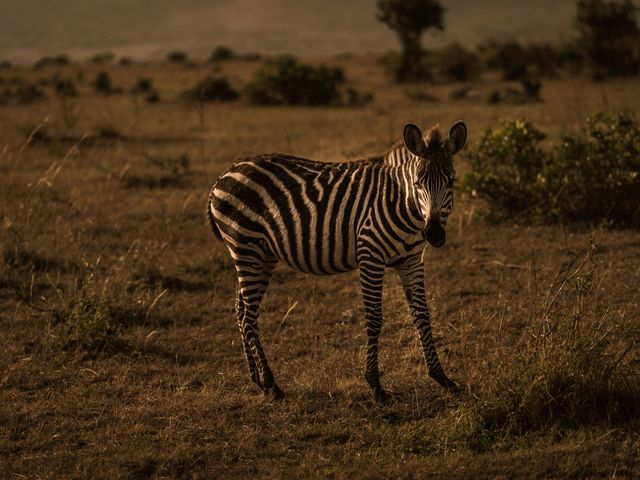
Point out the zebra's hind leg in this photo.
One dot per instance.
(251, 360)
(254, 273)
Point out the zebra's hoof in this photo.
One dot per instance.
(382, 397)
(274, 392)
(453, 388)
(446, 383)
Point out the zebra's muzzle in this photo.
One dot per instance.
(436, 234)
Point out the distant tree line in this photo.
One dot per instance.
(608, 37)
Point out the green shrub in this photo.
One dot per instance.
(85, 323)
(285, 81)
(505, 164)
(212, 89)
(591, 177)
(596, 175)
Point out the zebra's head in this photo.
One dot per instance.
(434, 175)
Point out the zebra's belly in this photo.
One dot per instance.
(317, 254)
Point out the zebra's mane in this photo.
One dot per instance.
(433, 138)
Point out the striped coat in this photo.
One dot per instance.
(326, 218)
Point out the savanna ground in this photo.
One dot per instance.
(102, 218)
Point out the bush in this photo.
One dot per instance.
(591, 177)
(419, 69)
(108, 133)
(103, 58)
(65, 88)
(143, 85)
(530, 92)
(517, 61)
(596, 175)
(28, 93)
(510, 57)
(285, 81)
(102, 83)
(544, 58)
(504, 168)
(152, 97)
(86, 322)
(61, 59)
(609, 35)
(177, 57)
(23, 94)
(458, 64)
(221, 53)
(356, 98)
(531, 87)
(212, 89)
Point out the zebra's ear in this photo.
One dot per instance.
(413, 140)
(457, 137)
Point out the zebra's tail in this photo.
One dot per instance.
(212, 223)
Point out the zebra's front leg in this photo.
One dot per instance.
(412, 277)
(371, 277)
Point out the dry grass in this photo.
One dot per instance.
(106, 234)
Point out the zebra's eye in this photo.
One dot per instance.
(418, 185)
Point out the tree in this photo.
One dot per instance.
(410, 19)
(609, 35)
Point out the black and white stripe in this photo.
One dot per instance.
(327, 218)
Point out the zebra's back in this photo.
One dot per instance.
(305, 212)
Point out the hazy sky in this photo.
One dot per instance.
(144, 29)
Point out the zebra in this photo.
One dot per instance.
(327, 218)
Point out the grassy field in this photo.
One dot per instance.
(119, 351)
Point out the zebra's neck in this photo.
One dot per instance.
(400, 166)
(399, 156)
